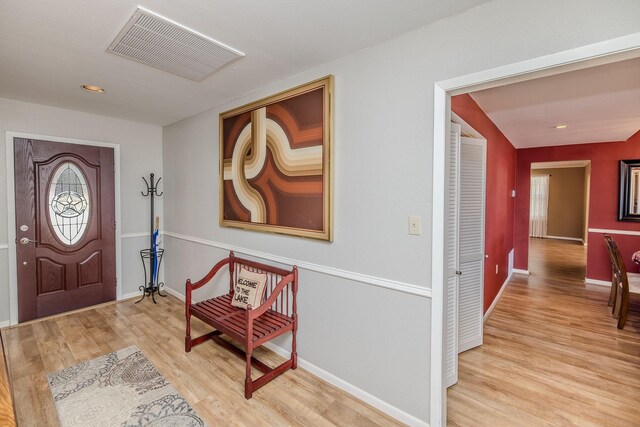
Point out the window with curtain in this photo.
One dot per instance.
(539, 206)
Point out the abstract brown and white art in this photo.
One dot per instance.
(275, 163)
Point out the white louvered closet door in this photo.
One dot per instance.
(451, 294)
(471, 242)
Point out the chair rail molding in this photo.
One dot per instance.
(135, 235)
(406, 288)
(611, 231)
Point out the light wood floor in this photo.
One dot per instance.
(7, 416)
(209, 378)
(552, 354)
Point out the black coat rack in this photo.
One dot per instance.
(152, 255)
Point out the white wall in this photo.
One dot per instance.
(373, 337)
(140, 154)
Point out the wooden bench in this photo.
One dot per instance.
(251, 327)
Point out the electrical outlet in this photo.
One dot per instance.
(496, 268)
(414, 225)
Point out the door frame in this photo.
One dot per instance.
(11, 210)
(600, 53)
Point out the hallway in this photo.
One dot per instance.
(552, 354)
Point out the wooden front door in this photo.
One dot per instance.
(65, 226)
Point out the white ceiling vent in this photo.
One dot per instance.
(157, 41)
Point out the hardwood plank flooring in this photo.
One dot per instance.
(210, 378)
(552, 355)
(7, 415)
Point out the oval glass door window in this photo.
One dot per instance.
(69, 203)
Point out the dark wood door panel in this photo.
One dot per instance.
(49, 305)
(90, 270)
(69, 257)
(65, 208)
(51, 276)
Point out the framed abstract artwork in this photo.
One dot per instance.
(276, 163)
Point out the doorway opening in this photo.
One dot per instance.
(559, 217)
(597, 54)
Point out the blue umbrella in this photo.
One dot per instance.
(155, 256)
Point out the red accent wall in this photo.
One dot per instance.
(499, 214)
(603, 201)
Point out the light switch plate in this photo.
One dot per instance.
(415, 227)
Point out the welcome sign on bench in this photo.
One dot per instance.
(250, 289)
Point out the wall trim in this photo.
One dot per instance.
(611, 231)
(377, 403)
(497, 298)
(165, 289)
(574, 239)
(133, 235)
(406, 288)
(596, 282)
(11, 202)
(5, 324)
(174, 293)
(130, 295)
(519, 271)
(634, 282)
(353, 390)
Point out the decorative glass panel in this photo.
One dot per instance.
(69, 203)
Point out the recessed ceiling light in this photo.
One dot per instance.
(92, 88)
(561, 126)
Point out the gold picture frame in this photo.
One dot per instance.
(276, 161)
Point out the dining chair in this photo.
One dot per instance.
(621, 304)
(614, 271)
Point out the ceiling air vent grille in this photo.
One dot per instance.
(154, 40)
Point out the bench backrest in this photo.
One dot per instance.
(285, 302)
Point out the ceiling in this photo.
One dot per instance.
(598, 104)
(49, 49)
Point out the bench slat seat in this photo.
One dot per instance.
(251, 327)
(234, 319)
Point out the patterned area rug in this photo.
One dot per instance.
(119, 389)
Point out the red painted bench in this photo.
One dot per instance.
(251, 327)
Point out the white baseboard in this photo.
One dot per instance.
(597, 282)
(634, 282)
(497, 298)
(165, 289)
(5, 324)
(174, 293)
(518, 271)
(130, 295)
(575, 239)
(380, 404)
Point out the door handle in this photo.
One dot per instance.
(24, 241)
